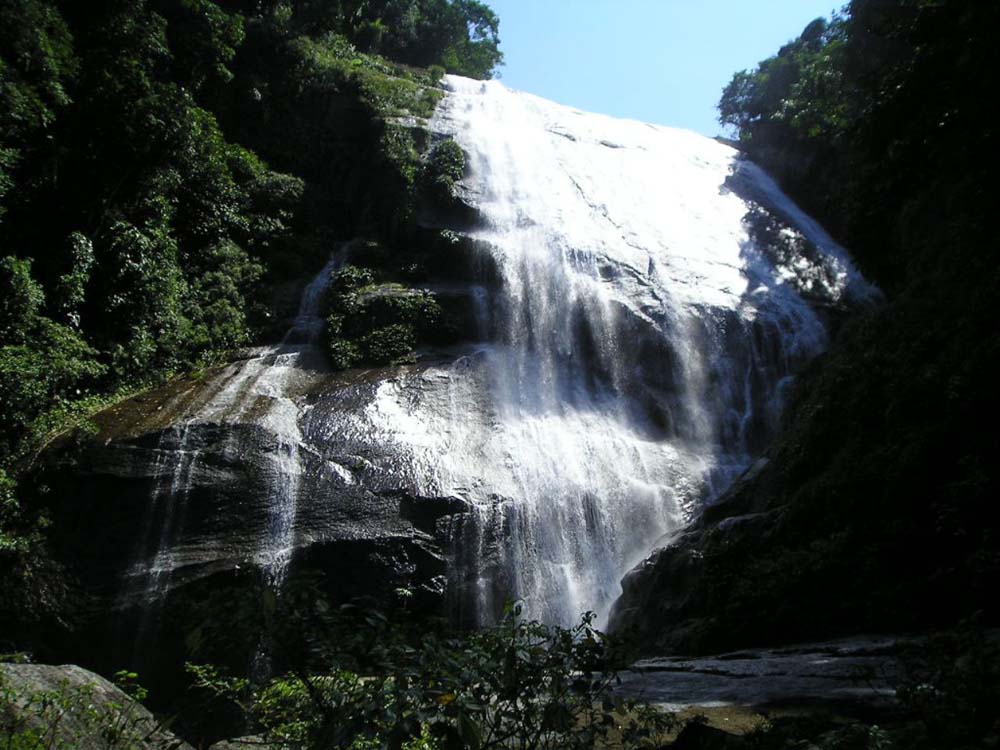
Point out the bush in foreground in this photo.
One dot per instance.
(367, 683)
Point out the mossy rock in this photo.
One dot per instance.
(376, 323)
(67, 706)
(443, 168)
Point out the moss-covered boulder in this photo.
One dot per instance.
(43, 706)
(376, 323)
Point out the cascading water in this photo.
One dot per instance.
(257, 391)
(638, 343)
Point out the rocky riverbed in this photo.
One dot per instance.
(844, 674)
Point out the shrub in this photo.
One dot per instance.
(364, 681)
(343, 354)
(21, 300)
(378, 324)
(952, 685)
(58, 365)
(445, 166)
(11, 519)
(72, 286)
(388, 345)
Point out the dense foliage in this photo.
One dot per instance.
(357, 678)
(375, 323)
(460, 36)
(877, 120)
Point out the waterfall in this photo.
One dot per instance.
(638, 344)
(644, 300)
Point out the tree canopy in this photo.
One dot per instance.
(859, 112)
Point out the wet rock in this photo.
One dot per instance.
(76, 708)
(188, 501)
(666, 601)
(852, 673)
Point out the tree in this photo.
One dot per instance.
(37, 66)
(203, 40)
(21, 300)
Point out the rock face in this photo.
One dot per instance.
(190, 502)
(864, 517)
(71, 707)
(632, 355)
(667, 600)
(184, 494)
(616, 368)
(851, 672)
(221, 478)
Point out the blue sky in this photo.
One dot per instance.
(662, 61)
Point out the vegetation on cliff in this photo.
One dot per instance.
(879, 496)
(375, 323)
(137, 223)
